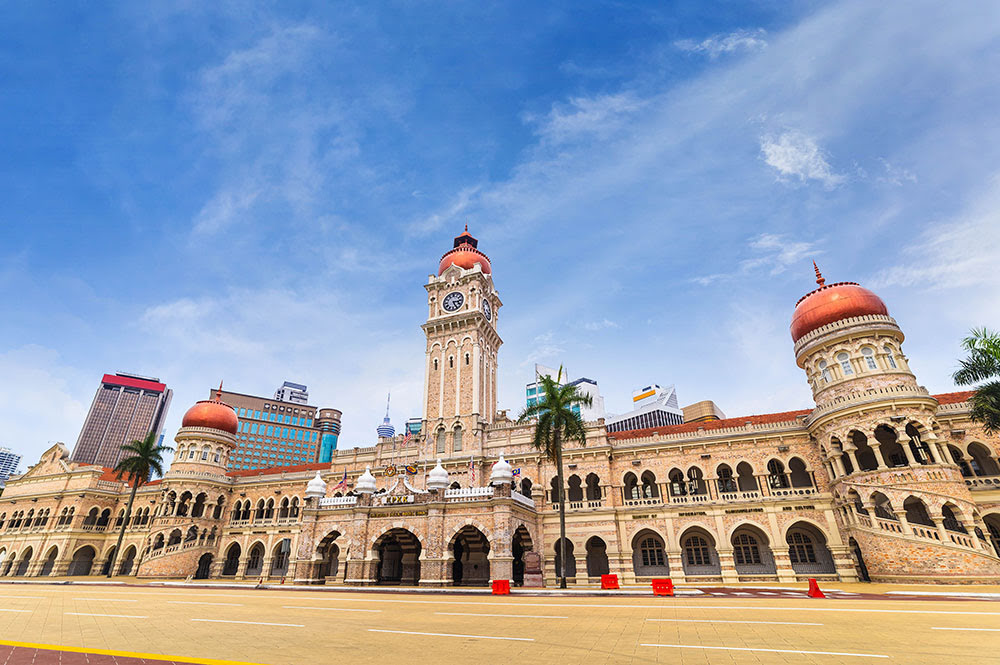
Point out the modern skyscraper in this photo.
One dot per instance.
(328, 422)
(273, 432)
(655, 407)
(126, 407)
(8, 464)
(296, 393)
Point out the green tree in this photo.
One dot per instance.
(982, 367)
(555, 424)
(143, 458)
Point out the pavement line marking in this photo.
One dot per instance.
(111, 600)
(326, 609)
(3, 609)
(776, 623)
(993, 630)
(818, 609)
(123, 654)
(811, 653)
(198, 602)
(116, 616)
(476, 637)
(32, 597)
(252, 623)
(516, 616)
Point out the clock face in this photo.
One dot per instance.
(487, 310)
(452, 301)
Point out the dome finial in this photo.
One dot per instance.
(218, 393)
(466, 227)
(819, 275)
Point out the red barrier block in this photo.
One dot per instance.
(501, 587)
(814, 591)
(663, 587)
(609, 582)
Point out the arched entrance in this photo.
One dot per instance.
(82, 562)
(128, 561)
(597, 557)
(698, 553)
(255, 565)
(570, 569)
(329, 552)
(106, 566)
(22, 567)
(471, 565)
(520, 544)
(204, 567)
(50, 562)
(859, 561)
(398, 553)
(232, 563)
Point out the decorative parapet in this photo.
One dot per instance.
(338, 501)
(469, 494)
(983, 483)
(871, 395)
(520, 498)
(868, 320)
(956, 407)
(720, 432)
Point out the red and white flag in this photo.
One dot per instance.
(472, 471)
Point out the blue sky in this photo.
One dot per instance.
(258, 194)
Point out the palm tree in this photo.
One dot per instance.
(983, 363)
(143, 458)
(555, 423)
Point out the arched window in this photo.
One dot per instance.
(869, 355)
(800, 548)
(824, 371)
(435, 364)
(845, 363)
(631, 486)
(649, 488)
(456, 440)
(776, 475)
(651, 552)
(575, 491)
(890, 358)
(466, 358)
(746, 551)
(441, 440)
(725, 482)
(696, 551)
(593, 487)
(526, 486)
(648, 554)
(451, 361)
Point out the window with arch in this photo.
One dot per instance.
(824, 371)
(451, 361)
(441, 440)
(889, 357)
(776, 475)
(726, 481)
(651, 552)
(800, 548)
(435, 364)
(466, 358)
(456, 440)
(746, 550)
(696, 551)
(845, 363)
(868, 354)
(631, 486)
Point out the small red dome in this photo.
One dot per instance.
(833, 302)
(465, 254)
(212, 413)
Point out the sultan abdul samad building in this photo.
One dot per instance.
(879, 480)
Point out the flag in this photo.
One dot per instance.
(343, 481)
(411, 469)
(517, 472)
(406, 439)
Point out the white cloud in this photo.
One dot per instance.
(450, 214)
(796, 155)
(586, 117)
(772, 252)
(39, 401)
(956, 253)
(895, 175)
(603, 324)
(724, 44)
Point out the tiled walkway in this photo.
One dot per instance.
(32, 656)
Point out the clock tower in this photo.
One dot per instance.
(460, 376)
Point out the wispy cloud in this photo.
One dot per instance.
(724, 44)
(603, 324)
(586, 117)
(797, 156)
(773, 253)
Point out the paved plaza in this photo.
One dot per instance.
(132, 624)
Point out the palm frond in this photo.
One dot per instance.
(986, 406)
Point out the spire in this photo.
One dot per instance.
(218, 393)
(387, 398)
(819, 275)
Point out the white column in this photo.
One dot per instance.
(475, 378)
(427, 379)
(444, 353)
(458, 379)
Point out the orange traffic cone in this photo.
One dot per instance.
(814, 591)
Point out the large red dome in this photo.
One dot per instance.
(465, 254)
(212, 413)
(833, 302)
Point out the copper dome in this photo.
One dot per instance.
(465, 254)
(212, 413)
(833, 302)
